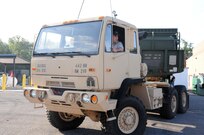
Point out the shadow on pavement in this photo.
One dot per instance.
(181, 124)
(83, 131)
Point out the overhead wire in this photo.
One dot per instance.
(80, 9)
(111, 8)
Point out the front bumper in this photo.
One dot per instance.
(70, 101)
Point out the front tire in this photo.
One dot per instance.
(131, 118)
(64, 121)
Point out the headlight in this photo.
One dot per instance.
(85, 98)
(26, 93)
(33, 93)
(42, 94)
(38, 94)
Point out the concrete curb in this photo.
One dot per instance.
(11, 90)
(18, 88)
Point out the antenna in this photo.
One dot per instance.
(111, 7)
(80, 9)
(113, 12)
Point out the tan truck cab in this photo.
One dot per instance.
(77, 74)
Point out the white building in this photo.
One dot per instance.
(195, 63)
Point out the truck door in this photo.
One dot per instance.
(115, 62)
(134, 56)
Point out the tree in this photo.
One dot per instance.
(21, 47)
(4, 48)
(188, 48)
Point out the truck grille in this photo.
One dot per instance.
(52, 83)
(59, 103)
(60, 84)
(68, 84)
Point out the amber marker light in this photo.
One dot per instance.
(34, 68)
(91, 69)
(71, 21)
(66, 22)
(101, 17)
(94, 99)
(108, 70)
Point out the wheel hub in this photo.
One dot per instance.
(173, 104)
(128, 120)
(66, 116)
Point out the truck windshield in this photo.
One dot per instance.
(69, 39)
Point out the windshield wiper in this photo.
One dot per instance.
(45, 54)
(65, 54)
(53, 55)
(70, 54)
(80, 53)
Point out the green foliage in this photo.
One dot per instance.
(188, 48)
(21, 47)
(4, 49)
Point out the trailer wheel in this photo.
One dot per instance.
(183, 98)
(170, 104)
(130, 118)
(64, 121)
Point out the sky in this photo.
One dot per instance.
(26, 17)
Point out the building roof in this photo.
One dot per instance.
(10, 61)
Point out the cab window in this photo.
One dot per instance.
(134, 49)
(118, 39)
(114, 39)
(108, 40)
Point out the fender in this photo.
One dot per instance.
(125, 85)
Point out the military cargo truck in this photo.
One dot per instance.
(76, 73)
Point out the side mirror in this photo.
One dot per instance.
(142, 35)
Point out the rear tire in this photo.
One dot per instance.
(64, 121)
(183, 99)
(131, 118)
(170, 104)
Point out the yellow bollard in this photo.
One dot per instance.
(24, 81)
(3, 82)
(31, 82)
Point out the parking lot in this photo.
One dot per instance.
(17, 116)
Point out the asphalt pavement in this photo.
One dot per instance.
(18, 117)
